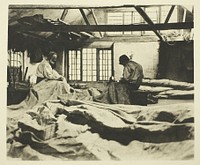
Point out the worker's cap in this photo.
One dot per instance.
(123, 58)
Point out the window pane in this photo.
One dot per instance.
(133, 17)
(89, 64)
(115, 18)
(15, 63)
(74, 64)
(105, 64)
(128, 18)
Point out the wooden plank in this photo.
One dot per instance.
(169, 14)
(84, 16)
(61, 20)
(74, 33)
(67, 6)
(86, 34)
(65, 11)
(148, 20)
(102, 6)
(92, 28)
(95, 20)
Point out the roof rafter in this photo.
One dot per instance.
(76, 34)
(65, 6)
(15, 6)
(148, 20)
(169, 14)
(64, 14)
(92, 28)
(95, 20)
(65, 11)
(84, 16)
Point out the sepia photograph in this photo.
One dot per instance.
(106, 82)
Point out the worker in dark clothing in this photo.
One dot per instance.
(132, 73)
(122, 92)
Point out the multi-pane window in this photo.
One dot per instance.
(123, 17)
(75, 64)
(90, 64)
(164, 13)
(105, 64)
(154, 15)
(15, 58)
(15, 66)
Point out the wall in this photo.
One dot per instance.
(145, 53)
(143, 48)
(177, 61)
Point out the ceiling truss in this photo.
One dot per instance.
(85, 30)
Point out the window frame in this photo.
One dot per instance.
(87, 63)
(162, 12)
(112, 62)
(123, 12)
(81, 64)
(68, 63)
(15, 66)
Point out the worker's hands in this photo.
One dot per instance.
(122, 80)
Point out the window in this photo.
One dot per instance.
(75, 64)
(105, 64)
(123, 18)
(154, 15)
(164, 13)
(126, 17)
(90, 64)
(15, 66)
(15, 58)
(89, 67)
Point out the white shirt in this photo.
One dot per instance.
(44, 70)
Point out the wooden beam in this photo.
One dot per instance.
(105, 28)
(148, 20)
(84, 16)
(65, 23)
(169, 14)
(74, 33)
(87, 22)
(102, 6)
(67, 6)
(95, 20)
(65, 11)
(86, 34)
(184, 15)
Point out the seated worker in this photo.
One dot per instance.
(45, 69)
(122, 92)
(132, 73)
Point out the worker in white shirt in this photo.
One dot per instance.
(45, 69)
